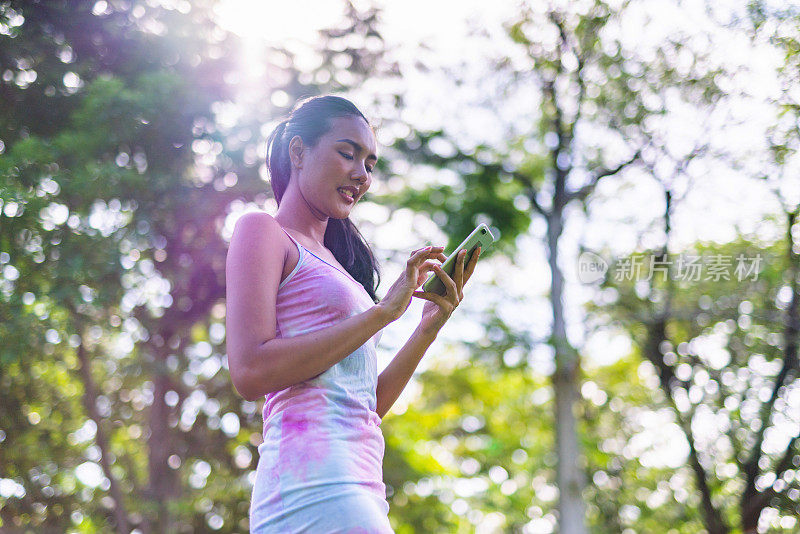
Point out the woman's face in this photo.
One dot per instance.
(340, 165)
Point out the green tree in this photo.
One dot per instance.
(100, 109)
(746, 466)
(119, 169)
(586, 80)
(724, 349)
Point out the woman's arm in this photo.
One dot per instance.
(282, 362)
(435, 314)
(394, 378)
(258, 361)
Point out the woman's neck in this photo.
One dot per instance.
(295, 214)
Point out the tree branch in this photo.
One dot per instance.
(656, 334)
(789, 368)
(785, 462)
(587, 189)
(530, 191)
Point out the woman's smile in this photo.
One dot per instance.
(346, 195)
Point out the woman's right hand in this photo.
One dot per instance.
(398, 298)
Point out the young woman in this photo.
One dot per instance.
(303, 321)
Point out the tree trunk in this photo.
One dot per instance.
(90, 403)
(163, 484)
(570, 477)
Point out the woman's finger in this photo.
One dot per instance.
(458, 275)
(427, 266)
(448, 282)
(472, 262)
(442, 302)
(423, 253)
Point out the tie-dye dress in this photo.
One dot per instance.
(320, 464)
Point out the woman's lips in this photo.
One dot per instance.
(347, 198)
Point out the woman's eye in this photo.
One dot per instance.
(348, 156)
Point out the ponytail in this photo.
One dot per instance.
(278, 161)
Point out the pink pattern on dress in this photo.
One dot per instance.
(304, 440)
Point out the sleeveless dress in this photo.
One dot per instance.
(320, 464)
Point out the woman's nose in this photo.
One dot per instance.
(361, 174)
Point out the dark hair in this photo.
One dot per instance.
(311, 118)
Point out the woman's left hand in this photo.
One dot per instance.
(439, 308)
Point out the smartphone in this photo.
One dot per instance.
(480, 237)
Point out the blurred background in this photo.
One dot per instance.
(626, 356)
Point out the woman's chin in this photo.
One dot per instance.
(342, 212)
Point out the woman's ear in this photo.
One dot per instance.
(296, 151)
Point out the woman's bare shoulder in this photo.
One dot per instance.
(260, 229)
(257, 217)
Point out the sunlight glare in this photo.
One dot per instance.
(276, 22)
(263, 25)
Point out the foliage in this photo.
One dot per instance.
(721, 346)
(119, 172)
(97, 126)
